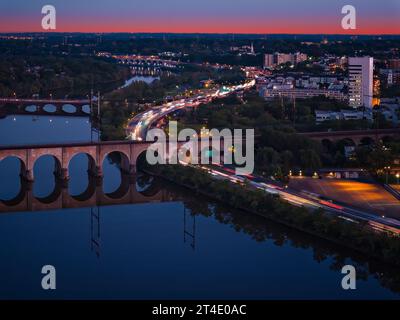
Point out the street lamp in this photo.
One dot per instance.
(397, 177)
(387, 174)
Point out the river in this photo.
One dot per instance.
(185, 247)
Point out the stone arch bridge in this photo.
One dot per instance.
(97, 153)
(357, 136)
(18, 106)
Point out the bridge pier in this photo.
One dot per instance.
(132, 173)
(62, 176)
(27, 175)
(97, 173)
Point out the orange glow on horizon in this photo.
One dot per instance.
(222, 26)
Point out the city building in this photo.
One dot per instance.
(390, 76)
(300, 93)
(361, 71)
(326, 115)
(269, 61)
(276, 59)
(394, 64)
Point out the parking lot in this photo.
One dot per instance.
(371, 197)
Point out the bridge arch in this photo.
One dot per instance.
(146, 185)
(31, 108)
(69, 108)
(116, 170)
(43, 164)
(367, 141)
(50, 108)
(119, 158)
(35, 154)
(138, 152)
(346, 142)
(327, 144)
(89, 151)
(81, 170)
(12, 166)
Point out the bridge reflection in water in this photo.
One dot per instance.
(130, 191)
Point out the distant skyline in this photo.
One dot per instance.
(206, 16)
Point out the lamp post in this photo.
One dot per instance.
(387, 169)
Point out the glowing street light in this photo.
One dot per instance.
(397, 177)
(387, 174)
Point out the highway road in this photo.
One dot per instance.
(139, 125)
(310, 201)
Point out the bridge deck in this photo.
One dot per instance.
(351, 133)
(49, 101)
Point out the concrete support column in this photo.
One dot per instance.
(98, 175)
(62, 176)
(27, 175)
(132, 173)
(132, 169)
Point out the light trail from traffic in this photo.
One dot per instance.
(348, 213)
(139, 125)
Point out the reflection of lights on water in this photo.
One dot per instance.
(51, 120)
(15, 119)
(66, 121)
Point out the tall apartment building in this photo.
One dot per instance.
(269, 60)
(361, 78)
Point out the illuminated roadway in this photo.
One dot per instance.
(139, 125)
(345, 212)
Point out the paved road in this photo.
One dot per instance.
(139, 125)
(347, 212)
(368, 196)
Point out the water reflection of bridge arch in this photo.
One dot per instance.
(94, 196)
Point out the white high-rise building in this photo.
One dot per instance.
(361, 80)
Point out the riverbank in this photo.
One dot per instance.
(359, 237)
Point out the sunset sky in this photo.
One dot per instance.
(204, 16)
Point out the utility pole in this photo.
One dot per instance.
(294, 109)
(98, 105)
(98, 116)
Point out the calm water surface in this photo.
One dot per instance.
(183, 247)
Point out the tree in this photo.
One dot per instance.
(309, 159)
